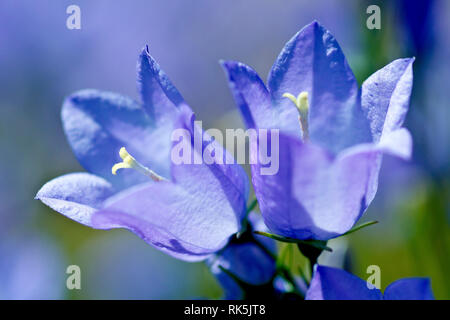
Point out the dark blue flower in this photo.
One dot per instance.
(334, 284)
(250, 260)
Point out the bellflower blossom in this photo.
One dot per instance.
(187, 211)
(332, 134)
(334, 284)
(251, 260)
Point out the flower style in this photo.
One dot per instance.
(330, 159)
(335, 284)
(187, 211)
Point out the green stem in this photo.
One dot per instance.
(252, 206)
(281, 268)
(303, 276)
(286, 274)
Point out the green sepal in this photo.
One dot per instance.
(318, 244)
(363, 225)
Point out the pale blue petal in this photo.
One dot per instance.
(315, 194)
(385, 97)
(312, 61)
(227, 181)
(251, 96)
(191, 216)
(181, 223)
(76, 195)
(97, 124)
(159, 96)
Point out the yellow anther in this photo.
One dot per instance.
(291, 97)
(117, 166)
(129, 162)
(123, 153)
(302, 104)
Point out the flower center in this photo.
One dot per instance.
(129, 162)
(302, 104)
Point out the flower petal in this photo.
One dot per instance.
(333, 284)
(159, 96)
(76, 195)
(409, 289)
(191, 216)
(97, 124)
(312, 61)
(397, 143)
(226, 182)
(315, 194)
(246, 260)
(251, 95)
(184, 225)
(385, 97)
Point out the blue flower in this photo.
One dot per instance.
(121, 266)
(334, 284)
(188, 211)
(332, 133)
(250, 259)
(417, 17)
(31, 269)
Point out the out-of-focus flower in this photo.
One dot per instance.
(416, 19)
(334, 284)
(188, 211)
(32, 265)
(31, 269)
(329, 162)
(286, 290)
(125, 268)
(250, 258)
(425, 24)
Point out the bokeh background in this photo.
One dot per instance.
(41, 62)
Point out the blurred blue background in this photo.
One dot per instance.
(41, 62)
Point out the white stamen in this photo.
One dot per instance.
(129, 162)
